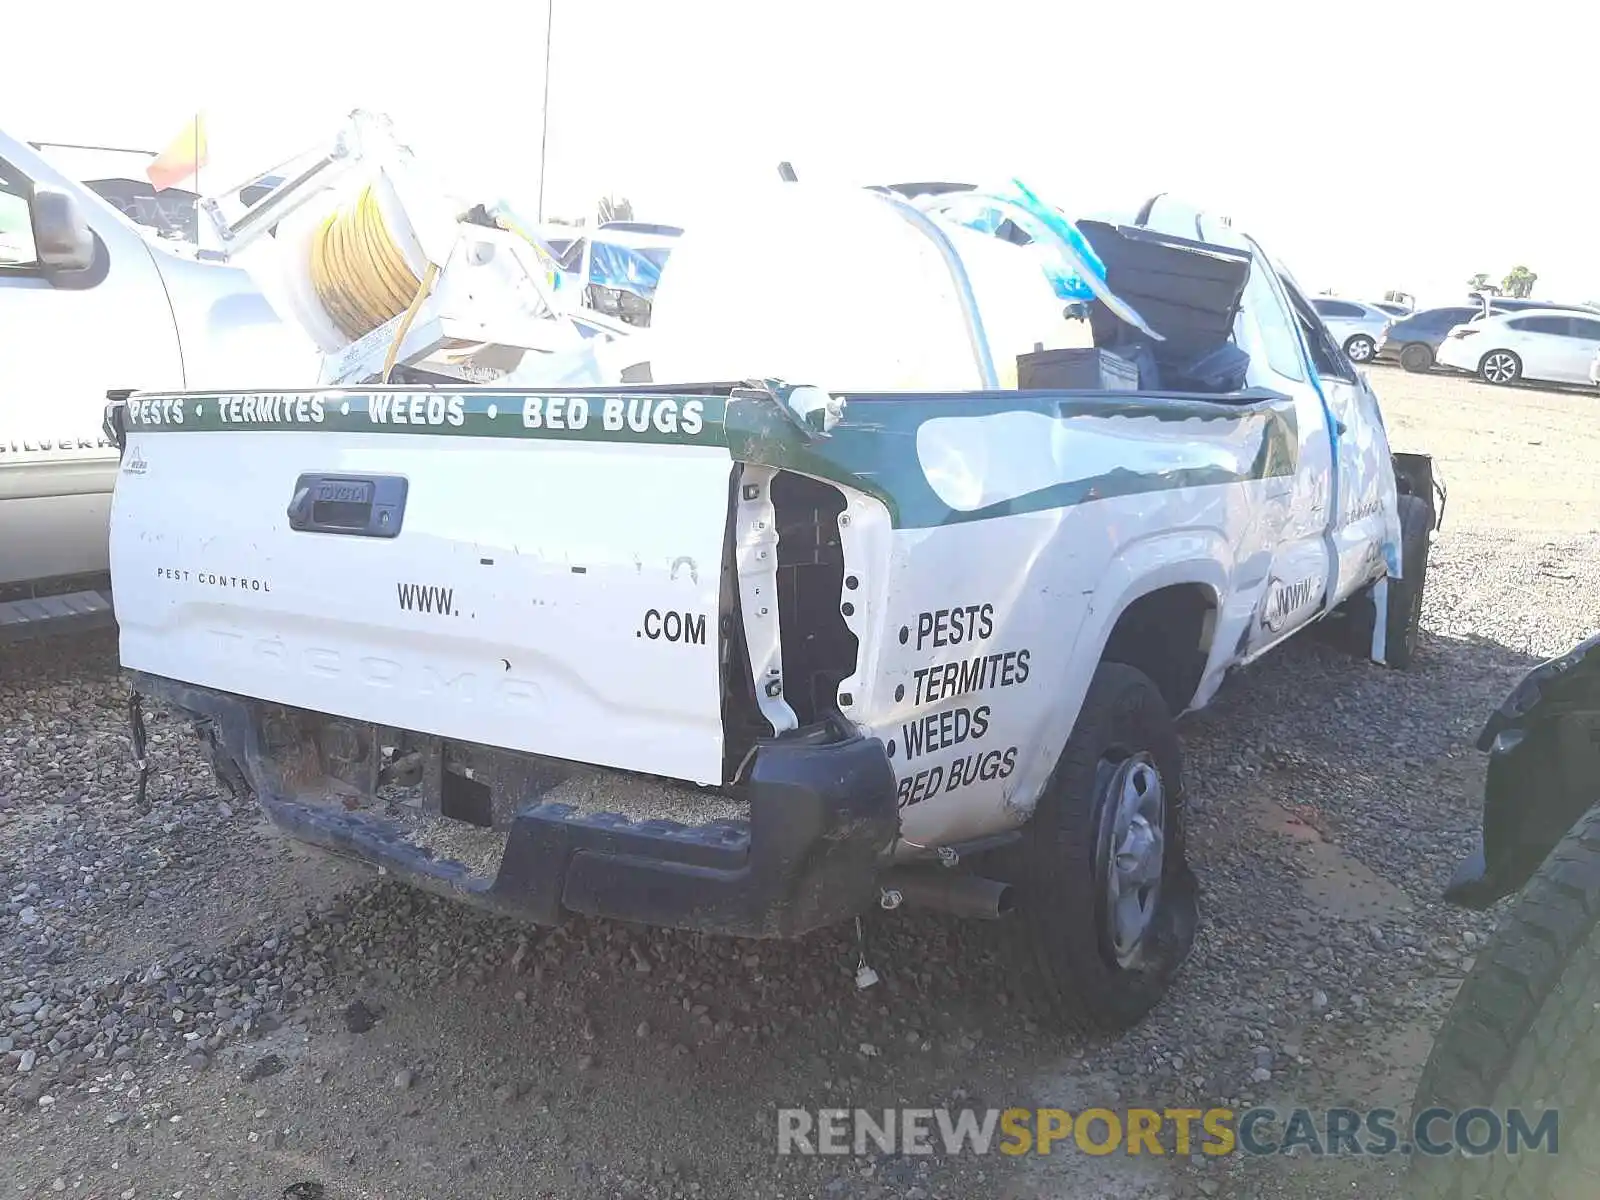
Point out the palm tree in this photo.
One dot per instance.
(1520, 282)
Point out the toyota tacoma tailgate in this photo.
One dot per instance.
(539, 595)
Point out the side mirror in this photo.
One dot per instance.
(61, 237)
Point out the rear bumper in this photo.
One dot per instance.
(822, 817)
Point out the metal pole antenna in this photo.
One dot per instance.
(544, 116)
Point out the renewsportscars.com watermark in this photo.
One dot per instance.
(1177, 1131)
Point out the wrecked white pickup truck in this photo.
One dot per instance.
(755, 658)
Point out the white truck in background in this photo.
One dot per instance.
(754, 657)
(89, 302)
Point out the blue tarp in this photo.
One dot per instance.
(986, 211)
(627, 268)
(1068, 260)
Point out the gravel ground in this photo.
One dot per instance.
(191, 1006)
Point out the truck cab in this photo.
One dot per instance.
(91, 302)
(1341, 502)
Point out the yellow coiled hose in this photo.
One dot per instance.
(361, 277)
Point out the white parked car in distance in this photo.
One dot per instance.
(1548, 344)
(1357, 327)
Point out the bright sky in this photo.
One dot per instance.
(1368, 145)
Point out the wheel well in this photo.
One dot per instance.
(1167, 635)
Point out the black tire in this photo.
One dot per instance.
(1500, 367)
(1360, 348)
(1064, 954)
(1417, 358)
(1405, 594)
(1523, 1032)
(1403, 630)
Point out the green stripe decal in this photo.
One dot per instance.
(1251, 436)
(874, 449)
(586, 416)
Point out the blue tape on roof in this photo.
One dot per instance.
(626, 268)
(1069, 262)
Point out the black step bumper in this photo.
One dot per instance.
(822, 817)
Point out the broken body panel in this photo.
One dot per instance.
(872, 640)
(1543, 744)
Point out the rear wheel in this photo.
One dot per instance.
(1524, 1032)
(1360, 348)
(1417, 357)
(1500, 366)
(1106, 903)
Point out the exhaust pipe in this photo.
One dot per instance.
(953, 892)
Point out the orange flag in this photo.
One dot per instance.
(183, 157)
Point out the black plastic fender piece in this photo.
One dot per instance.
(820, 817)
(1543, 744)
(1417, 475)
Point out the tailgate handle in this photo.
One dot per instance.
(354, 505)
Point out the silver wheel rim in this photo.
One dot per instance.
(1360, 349)
(1499, 368)
(1135, 804)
